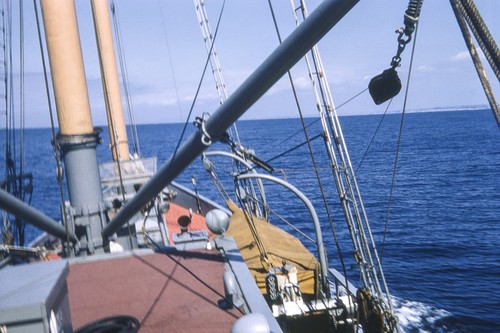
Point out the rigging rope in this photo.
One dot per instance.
(9, 84)
(210, 168)
(325, 107)
(348, 189)
(165, 35)
(10, 185)
(398, 149)
(304, 128)
(22, 119)
(286, 152)
(287, 139)
(249, 217)
(308, 141)
(55, 146)
(112, 124)
(22, 123)
(232, 138)
(461, 16)
(373, 136)
(482, 34)
(17, 182)
(125, 80)
(282, 219)
(199, 85)
(220, 84)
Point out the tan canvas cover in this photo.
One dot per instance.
(279, 245)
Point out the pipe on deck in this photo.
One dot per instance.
(29, 214)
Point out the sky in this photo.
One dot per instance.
(165, 56)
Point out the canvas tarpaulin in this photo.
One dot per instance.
(280, 247)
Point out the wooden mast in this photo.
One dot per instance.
(77, 138)
(110, 82)
(67, 70)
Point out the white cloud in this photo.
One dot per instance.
(302, 83)
(153, 99)
(464, 55)
(425, 69)
(461, 56)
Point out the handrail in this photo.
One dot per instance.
(317, 228)
(250, 168)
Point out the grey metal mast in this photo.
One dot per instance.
(269, 72)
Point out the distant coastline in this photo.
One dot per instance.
(423, 110)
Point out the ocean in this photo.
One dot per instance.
(441, 254)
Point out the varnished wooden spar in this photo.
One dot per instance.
(267, 74)
(67, 70)
(110, 82)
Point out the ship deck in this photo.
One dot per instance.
(166, 292)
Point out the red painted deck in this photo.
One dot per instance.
(173, 214)
(167, 293)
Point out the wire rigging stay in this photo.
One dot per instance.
(468, 16)
(125, 80)
(16, 181)
(347, 188)
(232, 137)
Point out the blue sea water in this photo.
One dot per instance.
(441, 253)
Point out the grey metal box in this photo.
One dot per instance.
(34, 298)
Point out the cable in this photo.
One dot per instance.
(482, 34)
(170, 59)
(114, 324)
(318, 119)
(55, 146)
(316, 170)
(199, 84)
(396, 158)
(22, 122)
(125, 80)
(373, 136)
(461, 17)
(308, 141)
(165, 251)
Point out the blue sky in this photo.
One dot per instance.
(163, 79)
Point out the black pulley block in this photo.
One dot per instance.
(384, 86)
